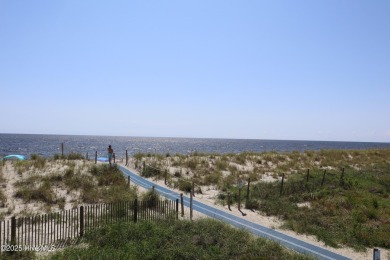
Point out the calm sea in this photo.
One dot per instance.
(48, 145)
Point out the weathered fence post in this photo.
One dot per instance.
(307, 175)
(191, 195)
(323, 178)
(135, 210)
(182, 204)
(239, 198)
(281, 186)
(247, 191)
(95, 157)
(342, 177)
(127, 158)
(128, 181)
(177, 208)
(229, 201)
(13, 231)
(81, 221)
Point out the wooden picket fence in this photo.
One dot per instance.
(62, 227)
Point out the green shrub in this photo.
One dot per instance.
(191, 163)
(213, 178)
(151, 198)
(184, 185)
(150, 172)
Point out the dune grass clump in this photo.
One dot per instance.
(183, 185)
(202, 239)
(70, 156)
(35, 188)
(107, 185)
(38, 162)
(151, 197)
(150, 171)
(21, 166)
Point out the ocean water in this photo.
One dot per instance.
(48, 145)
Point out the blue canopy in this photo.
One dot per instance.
(14, 157)
(102, 159)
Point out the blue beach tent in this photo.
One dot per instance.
(14, 157)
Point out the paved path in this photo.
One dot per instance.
(288, 241)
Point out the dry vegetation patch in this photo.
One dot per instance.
(43, 185)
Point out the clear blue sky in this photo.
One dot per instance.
(297, 70)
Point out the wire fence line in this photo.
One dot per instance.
(62, 228)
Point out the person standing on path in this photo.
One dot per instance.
(110, 154)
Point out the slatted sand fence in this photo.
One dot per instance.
(62, 228)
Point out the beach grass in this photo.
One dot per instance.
(58, 182)
(346, 206)
(201, 239)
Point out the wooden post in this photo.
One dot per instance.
(182, 204)
(307, 175)
(128, 181)
(127, 158)
(13, 231)
(143, 169)
(323, 178)
(81, 221)
(177, 208)
(281, 186)
(95, 157)
(191, 195)
(247, 191)
(229, 201)
(239, 198)
(135, 210)
(62, 149)
(342, 177)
